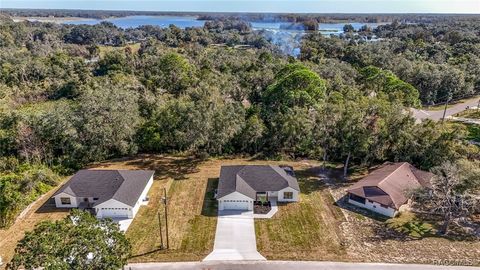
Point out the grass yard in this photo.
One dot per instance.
(307, 230)
(298, 230)
(191, 214)
(472, 113)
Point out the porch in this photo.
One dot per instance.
(87, 206)
(265, 204)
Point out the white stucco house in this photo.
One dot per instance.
(385, 189)
(106, 193)
(240, 186)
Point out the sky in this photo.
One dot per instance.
(293, 6)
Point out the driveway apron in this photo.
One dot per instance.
(235, 237)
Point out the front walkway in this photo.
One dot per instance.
(273, 210)
(235, 237)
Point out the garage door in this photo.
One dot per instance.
(235, 205)
(114, 212)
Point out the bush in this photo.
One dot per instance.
(20, 185)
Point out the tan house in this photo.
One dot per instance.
(384, 190)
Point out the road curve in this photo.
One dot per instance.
(437, 115)
(290, 265)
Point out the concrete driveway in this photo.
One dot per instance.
(124, 223)
(235, 237)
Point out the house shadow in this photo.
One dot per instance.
(210, 204)
(49, 207)
(343, 203)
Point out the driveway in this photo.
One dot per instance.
(437, 115)
(291, 265)
(123, 223)
(235, 237)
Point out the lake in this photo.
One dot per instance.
(191, 21)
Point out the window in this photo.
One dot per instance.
(288, 195)
(65, 201)
(356, 198)
(95, 199)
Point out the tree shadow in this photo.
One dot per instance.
(175, 167)
(315, 179)
(210, 204)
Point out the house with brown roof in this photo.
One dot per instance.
(384, 190)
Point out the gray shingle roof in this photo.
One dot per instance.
(250, 179)
(125, 186)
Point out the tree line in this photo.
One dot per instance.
(71, 95)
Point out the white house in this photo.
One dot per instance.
(384, 190)
(240, 186)
(107, 193)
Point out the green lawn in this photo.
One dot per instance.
(304, 230)
(192, 213)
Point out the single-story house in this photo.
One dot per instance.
(384, 190)
(106, 193)
(240, 186)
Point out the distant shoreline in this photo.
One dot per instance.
(50, 19)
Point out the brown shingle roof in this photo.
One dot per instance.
(388, 184)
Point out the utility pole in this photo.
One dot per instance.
(445, 110)
(166, 214)
(478, 105)
(160, 225)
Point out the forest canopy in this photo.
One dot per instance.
(71, 95)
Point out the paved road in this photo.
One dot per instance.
(437, 115)
(283, 265)
(235, 237)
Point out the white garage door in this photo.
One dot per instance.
(114, 212)
(235, 205)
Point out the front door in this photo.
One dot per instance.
(262, 196)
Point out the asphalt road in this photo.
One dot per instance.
(437, 115)
(290, 265)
